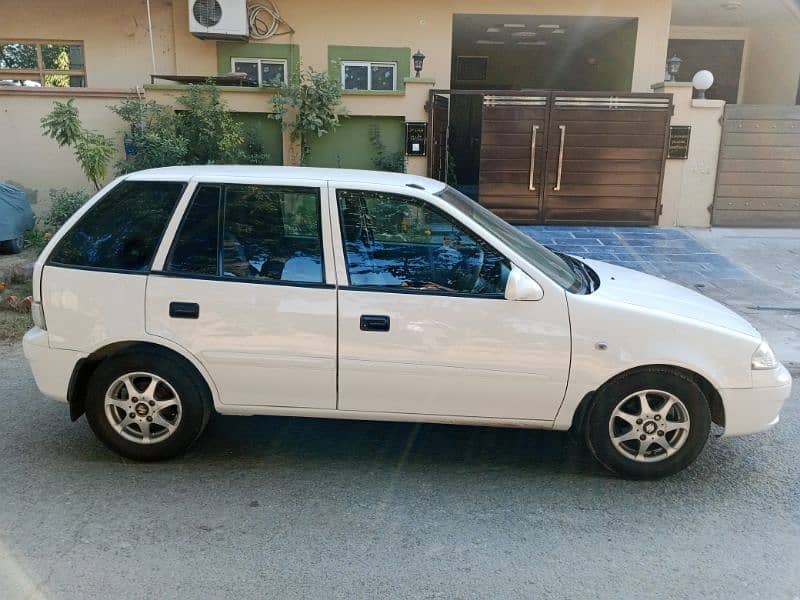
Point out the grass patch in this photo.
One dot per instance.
(13, 325)
(13, 322)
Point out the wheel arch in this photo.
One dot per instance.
(84, 368)
(710, 392)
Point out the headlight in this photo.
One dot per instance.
(37, 315)
(763, 358)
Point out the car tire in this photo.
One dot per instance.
(14, 246)
(648, 424)
(147, 406)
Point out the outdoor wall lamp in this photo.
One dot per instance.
(418, 57)
(673, 66)
(701, 81)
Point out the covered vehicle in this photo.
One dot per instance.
(16, 217)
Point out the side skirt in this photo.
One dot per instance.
(319, 413)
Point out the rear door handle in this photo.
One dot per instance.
(374, 323)
(184, 310)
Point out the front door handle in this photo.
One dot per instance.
(374, 323)
(184, 310)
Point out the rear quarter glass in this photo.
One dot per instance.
(123, 230)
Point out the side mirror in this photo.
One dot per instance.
(521, 287)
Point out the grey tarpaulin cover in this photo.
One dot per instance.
(16, 215)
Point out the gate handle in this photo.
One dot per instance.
(531, 186)
(563, 129)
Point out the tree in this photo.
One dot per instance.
(308, 107)
(93, 150)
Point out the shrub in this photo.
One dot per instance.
(152, 135)
(253, 152)
(383, 159)
(64, 203)
(203, 132)
(211, 132)
(35, 238)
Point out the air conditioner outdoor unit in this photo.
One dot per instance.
(219, 19)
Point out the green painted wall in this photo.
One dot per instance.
(268, 133)
(349, 146)
(227, 50)
(401, 56)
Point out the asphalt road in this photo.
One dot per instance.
(297, 508)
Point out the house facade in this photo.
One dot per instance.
(560, 106)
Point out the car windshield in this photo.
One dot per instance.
(549, 263)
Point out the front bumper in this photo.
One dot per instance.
(52, 367)
(750, 410)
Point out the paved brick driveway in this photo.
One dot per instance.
(666, 252)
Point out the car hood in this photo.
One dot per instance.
(638, 289)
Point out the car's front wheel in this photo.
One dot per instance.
(648, 424)
(147, 406)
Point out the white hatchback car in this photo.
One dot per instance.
(363, 295)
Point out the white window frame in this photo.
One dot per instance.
(258, 62)
(369, 65)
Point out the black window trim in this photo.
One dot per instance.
(185, 214)
(401, 290)
(220, 249)
(149, 268)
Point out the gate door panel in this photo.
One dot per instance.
(440, 123)
(605, 158)
(758, 181)
(512, 164)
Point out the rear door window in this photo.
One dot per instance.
(123, 230)
(272, 234)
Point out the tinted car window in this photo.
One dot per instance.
(400, 242)
(196, 247)
(122, 231)
(272, 233)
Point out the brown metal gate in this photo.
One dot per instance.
(605, 158)
(758, 177)
(564, 157)
(512, 145)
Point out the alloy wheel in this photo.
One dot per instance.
(143, 408)
(649, 426)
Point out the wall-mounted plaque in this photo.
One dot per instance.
(416, 139)
(679, 141)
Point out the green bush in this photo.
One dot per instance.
(153, 135)
(202, 131)
(64, 203)
(212, 134)
(383, 159)
(35, 238)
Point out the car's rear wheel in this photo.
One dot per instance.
(648, 424)
(147, 406)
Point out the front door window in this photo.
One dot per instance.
(401, 243)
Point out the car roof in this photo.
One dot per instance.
(184, 173)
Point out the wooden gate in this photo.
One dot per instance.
(605, 158)
(758, 177)
(439, 125)
(570, 157)
(513, 130)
